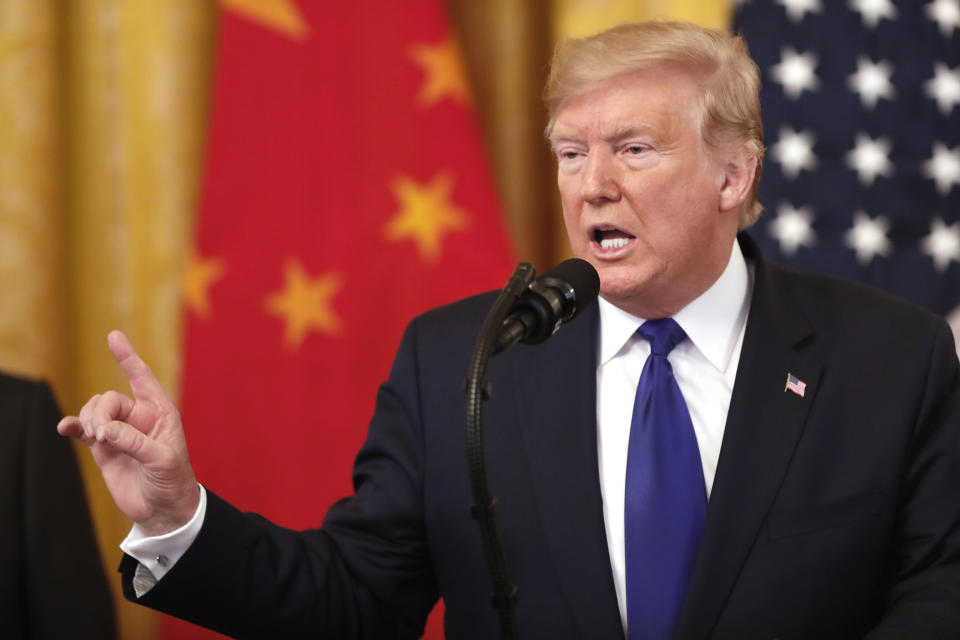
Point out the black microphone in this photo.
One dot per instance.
(552, 299)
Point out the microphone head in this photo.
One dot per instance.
(580, 276)
(552, 299)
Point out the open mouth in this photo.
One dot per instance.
(610, 238)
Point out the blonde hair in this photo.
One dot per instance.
(730, 98)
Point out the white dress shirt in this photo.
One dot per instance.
(705, 366)
(158, 554)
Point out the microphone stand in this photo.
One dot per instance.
(484, 505)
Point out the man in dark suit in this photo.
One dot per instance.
(821, 499)
(51, 580)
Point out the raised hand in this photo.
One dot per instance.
(139, 446)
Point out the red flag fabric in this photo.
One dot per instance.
(345, 192)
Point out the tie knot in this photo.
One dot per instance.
(662, 334)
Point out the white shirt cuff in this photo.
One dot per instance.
(158, 554)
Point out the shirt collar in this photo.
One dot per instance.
(713, 321)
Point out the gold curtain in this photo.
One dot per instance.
(102, 107)
(102, 115)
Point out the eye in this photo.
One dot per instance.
(635, 149)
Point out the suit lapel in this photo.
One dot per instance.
(764, 424)
(555, 387)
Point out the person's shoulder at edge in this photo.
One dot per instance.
(15, 385)
(833, 300)
(459, 317)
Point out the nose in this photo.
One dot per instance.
(599, 183)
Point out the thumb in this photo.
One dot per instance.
(125, 439)
(143, 383)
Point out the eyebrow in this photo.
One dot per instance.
(630, 131)
(619, 133)
(556, 140)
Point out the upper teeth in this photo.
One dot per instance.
(614, 243)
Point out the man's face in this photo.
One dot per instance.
(641, 197)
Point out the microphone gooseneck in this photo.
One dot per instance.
(528, 310)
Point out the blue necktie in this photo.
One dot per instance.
(666, 500)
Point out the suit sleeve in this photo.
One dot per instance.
(63, 577)
(365, 574)
(923, 595)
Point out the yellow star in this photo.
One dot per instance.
(281, 15)
(201, 273)
(426, 213)
(445, 75)
(304, 304)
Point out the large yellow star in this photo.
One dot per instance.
(426, 213)
(201, 273)
(444, 73)
(282, 15)
(304, 304)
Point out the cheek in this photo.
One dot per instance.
(569, 194)
(673, 227)
(688, 209)
(579, 243)
(682, 196)
(571, 215)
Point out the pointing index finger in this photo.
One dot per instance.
(142, 381)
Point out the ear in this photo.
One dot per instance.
(737, 179)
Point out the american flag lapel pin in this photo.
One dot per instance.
(795, 385)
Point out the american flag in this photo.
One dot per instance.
(796, 385)
(861, 112)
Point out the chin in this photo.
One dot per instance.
(619, 279)
(628, 287)
(619, 293)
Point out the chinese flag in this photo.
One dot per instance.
(345, 192)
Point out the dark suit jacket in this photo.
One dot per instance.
(831, 514)
(52, 583)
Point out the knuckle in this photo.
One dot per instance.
(112, 402)
(88, 407)
(89, 410)
(135, 441)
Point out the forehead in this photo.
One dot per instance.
(662, 101)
